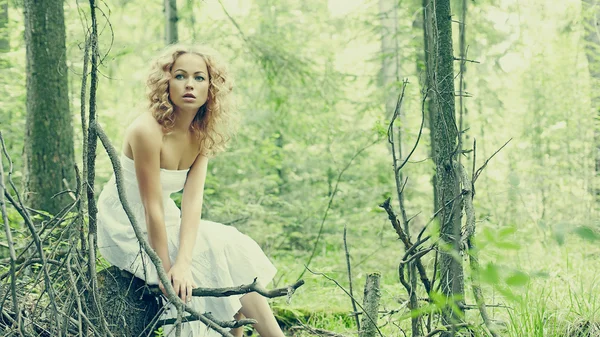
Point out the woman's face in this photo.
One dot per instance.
(188, 86)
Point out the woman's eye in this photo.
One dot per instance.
(179, 77)
(199, 78)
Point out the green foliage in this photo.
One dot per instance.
(307, 84)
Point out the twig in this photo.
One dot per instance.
(407, 243)
(479, 170)
(20, 207)
(77, 299)
(349, 270)
(465, 60)
(191, 318)
(11, 248)
(91, 168)
(473, 258)
(397, 169)
(239, 290)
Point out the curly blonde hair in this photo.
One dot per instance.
(211, 126)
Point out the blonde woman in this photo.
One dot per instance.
(166, 150)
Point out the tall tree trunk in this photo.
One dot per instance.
(425, 67)
(4, 37)
(445, 156)
(171, 21)
(49, 132)
(591, 14)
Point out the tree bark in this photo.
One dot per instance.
(49, 150)
(128, 309)
(445, 157)
(591, 14)
(171, 34)
(371, 306)
(425, 67)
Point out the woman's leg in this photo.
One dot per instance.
(256, 306)
(238, 332)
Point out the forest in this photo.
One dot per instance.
(411, 168)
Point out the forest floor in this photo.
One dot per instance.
(540, 285)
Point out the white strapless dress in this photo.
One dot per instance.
(223, 257)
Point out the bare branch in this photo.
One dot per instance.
(349, 271)
(473, 255)
(11, 248)
(239, 290)
(479, 170)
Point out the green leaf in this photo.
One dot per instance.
(518, 279)
(506, 231)
(488, 234)
(587, 233)
(508, 245)
(508, 294)
(490, 274)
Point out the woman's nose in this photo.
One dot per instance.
(189, 83)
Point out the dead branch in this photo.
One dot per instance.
(20, 207)
(11, 248)
(239, 290)
(472, 250)
(479, 170)
(407, 243)
(396, 112)
(349, 271)
(225, 324)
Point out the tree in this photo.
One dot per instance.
(171, 21)
(4, 38)
(445, 137)
(425, 66)
(49, 132)
(591, 13)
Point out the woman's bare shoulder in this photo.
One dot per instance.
(144, 129)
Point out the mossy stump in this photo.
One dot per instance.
(126, 307)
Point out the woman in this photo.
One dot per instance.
(166, 150)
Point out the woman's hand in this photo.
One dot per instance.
(180, 276)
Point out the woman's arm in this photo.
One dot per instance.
(191, 209)
(145, 142)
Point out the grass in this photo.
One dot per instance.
(559, 296)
